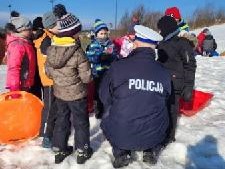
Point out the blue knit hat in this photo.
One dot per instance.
(99, 25)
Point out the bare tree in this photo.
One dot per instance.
(207, 16)
(125, 21)
(139, 13)
(147, 18)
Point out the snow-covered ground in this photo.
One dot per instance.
(200, 139)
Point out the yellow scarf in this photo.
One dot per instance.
(63, 41)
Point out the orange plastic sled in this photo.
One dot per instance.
(20, 118)
(198, 102)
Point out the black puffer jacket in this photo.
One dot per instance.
(177, 55)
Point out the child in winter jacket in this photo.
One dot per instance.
(177, 55)
(69, 68)
(127, 44)
(209, 45)
(42, 42)
(21, 59)
(101, 52)
(127, 41)
(201, 37)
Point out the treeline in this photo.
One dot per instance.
(202, 17)
(147, 18)
(207, 16)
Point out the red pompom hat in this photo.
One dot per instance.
(173, 12)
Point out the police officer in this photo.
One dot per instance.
(134, 93)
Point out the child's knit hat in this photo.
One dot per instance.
(21, 23)
(49, 20)
(67, 23)
(167, 25)
(37, 23)
(173, 12)
(98, 25)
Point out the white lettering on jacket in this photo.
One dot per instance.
(145, 85)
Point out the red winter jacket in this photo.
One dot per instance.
(201, 38)
(21, 62)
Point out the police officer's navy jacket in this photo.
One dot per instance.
(134, 93)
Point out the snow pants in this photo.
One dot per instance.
(81, 124)
(100, 108)
(173, 110)
(48, 113)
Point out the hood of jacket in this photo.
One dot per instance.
(60, 52)
(208, 37)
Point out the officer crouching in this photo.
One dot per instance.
(134, 92)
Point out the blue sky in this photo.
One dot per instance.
(89, 10)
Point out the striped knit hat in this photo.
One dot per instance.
(98, 25)
(67, 23)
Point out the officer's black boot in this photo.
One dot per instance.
(122, 161)
(151, 156)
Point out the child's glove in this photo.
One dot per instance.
(15, 95)
(108, 50)
(187, 94)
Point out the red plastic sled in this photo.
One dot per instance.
(20, 118)
(199, 101)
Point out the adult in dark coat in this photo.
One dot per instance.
(134, 93)
(177, 55)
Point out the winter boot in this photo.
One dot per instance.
(46, 142)
(61, 155)
(150, 156)
(84, 155)
(122, 161)
(98, 114)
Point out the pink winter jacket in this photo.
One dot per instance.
(21, 62)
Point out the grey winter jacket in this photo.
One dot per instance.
(209, 44)
(70, 71)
